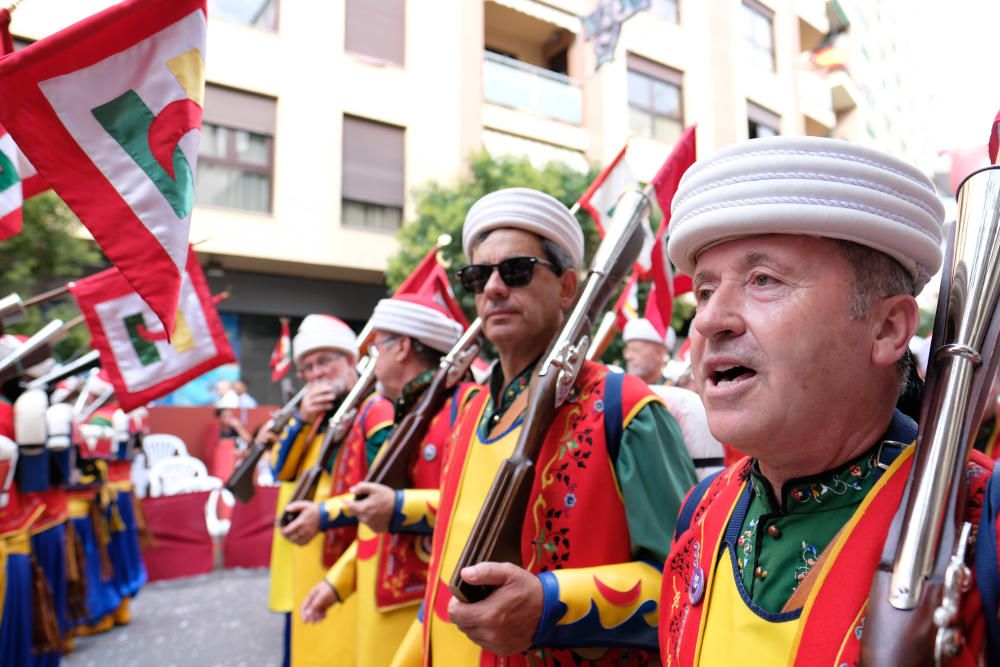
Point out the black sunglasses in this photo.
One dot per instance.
(514, 271)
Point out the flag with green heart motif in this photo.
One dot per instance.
(109, 113)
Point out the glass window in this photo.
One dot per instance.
(758, 34)
(371, 216)
(655, 107)
(257, 13)
(373, 179)
(234, 169)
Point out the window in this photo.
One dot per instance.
(655, 102)
(256, 13)
(761, 122)
(665, 9)
(235, 155)
(376, 29)
(758, 32)
(373, 179)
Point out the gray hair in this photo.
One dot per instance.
(559, 258)
(876, 275)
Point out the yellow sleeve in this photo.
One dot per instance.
(415, 511)
(333, 512)
(343, 575)
(411, 649)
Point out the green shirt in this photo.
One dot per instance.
(653, 467)
(779, 543)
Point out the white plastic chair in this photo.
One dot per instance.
(140, 475)
(218, 527)
(158, 446)
(180, 474)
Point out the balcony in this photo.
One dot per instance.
(815, 99)
(516, 85)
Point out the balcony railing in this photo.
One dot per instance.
(524, 87)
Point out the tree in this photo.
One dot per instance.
(48, 253)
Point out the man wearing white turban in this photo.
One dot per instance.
(806, 256)
(387, 565)
(610, 475)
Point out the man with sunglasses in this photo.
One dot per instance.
(324, 351)
(387, 565)
(608, 483)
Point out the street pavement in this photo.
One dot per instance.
(216, 620)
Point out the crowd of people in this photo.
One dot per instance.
(633, 542)
(631, 535)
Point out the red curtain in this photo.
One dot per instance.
(248, 543)
(182, 546)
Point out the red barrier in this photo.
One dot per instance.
(182, 546)
(248, 543)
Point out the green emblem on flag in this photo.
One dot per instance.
(144, 349)
(8, 172)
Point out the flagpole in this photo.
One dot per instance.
(46, 296)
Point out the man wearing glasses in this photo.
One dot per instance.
(324, 350)
(609, 479)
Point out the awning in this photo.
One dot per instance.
(543, 12)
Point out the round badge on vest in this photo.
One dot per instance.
(430, 452)
(696, 590)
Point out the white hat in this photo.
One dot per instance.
(319, 332)
(419, 317)
(228, 400)
(642, 329)
(527, 209)
(811, 186)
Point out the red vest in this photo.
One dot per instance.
(831, 635)
(404, 557)
(576, 517)
(350, 465)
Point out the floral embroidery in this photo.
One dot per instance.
(809, 557)
(838, 484)
(746, 542)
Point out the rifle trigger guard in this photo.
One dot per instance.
(957, 581)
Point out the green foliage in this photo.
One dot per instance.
(46, 255)
(441, 209)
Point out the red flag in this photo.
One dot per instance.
(431, 280)
(666, 287)
(994, 147)
(281, 357)
(109, 112)
(600, 197)
(141, 364)
(627, 306)
(669, 176)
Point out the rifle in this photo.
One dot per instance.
(913, 610)
(36, 349)
(12, 310)
(240, 483)
(83, 363)
(336, 430)
(496, 535)
(390, 468)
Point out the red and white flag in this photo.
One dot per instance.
(431, 280)
(627, 306)
(109, 112)
(141, 363)
(600, 197)
(281, 357)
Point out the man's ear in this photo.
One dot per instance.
(569, 282)
(894, 321)
(404, 348)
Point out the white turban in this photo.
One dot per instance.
(642, 329)
(810, 186)
(527, 209)
(417, 317)
(321, 332)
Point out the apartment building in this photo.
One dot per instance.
(321, 117)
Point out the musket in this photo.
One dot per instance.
(12, 310)
(240, 483)
(336, 430)
(913, 610)
(390, 468)
(496, 534)
(36, 349)
(83, 363)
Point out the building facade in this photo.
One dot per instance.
(321, 118)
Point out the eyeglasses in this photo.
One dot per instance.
(514, 271)
(379, 344)
(320, 363)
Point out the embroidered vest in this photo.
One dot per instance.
(350, 465)
(831, 622)
(404, 557)
(573, 493)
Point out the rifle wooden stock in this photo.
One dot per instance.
(496, 534)
(391, 467)
(907, 624)
(240, 483)
(35, 350)
(337, 430)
